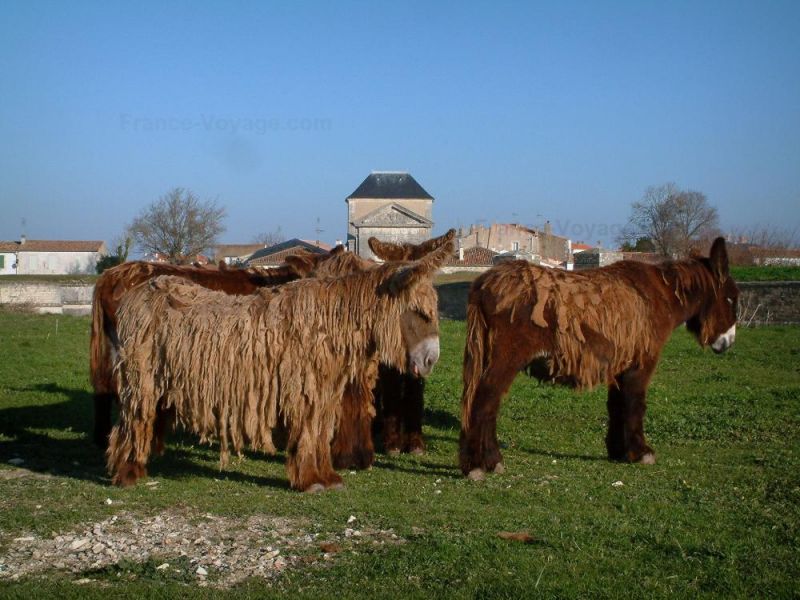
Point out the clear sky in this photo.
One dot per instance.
(503, 111)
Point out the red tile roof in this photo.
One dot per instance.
(473, 257)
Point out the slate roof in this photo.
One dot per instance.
(390, 185)
(275, 255)
(52, 246)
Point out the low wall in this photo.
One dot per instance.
(47, 297)
(761, 302)
(765, 302)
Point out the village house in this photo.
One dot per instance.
(50, 257)
(512, 241)
(274, 256)
(235, 254)
(391, 206)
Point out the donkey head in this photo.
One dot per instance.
(715, 324)
(306, 263)
(411, 286)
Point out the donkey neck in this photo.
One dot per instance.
(689, 285)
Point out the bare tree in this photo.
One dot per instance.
(674, 220)
(270, 238)
(178, 225)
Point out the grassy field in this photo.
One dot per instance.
(776, 273)
(719, 515)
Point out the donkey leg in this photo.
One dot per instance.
(634, 389)
(615, 438)
(165, 422)
(344, 439)
(390, 388)
(479, 450)
(413, 408)
(303, 456)
(129, 448)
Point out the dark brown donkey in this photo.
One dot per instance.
(601, 326)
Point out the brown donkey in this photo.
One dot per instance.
(108, 292)
(235, 367)
(601, 326)
(398, 396)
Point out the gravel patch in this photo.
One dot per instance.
(204, 548)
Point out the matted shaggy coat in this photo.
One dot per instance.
(108, 292)
(586, 328)
(235, 367)
(398, 398)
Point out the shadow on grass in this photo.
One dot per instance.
(44, 436)
(563, 455)
(441, 419)
(423, 468)
(55, 438)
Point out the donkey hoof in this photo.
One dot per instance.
(335, 486)
(393, 452)
(477, 474)
(647, 459)
(417, 451)
(314, 488)
(499, 468)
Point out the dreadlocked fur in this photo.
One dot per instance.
(601, 326)
(108, 292)
(398, 397)
(234, 367)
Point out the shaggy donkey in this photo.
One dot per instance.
(601, 326)
(108, 292)
(234, 368)
(398, 397)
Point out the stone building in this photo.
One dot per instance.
(518, 241)
(391, 206)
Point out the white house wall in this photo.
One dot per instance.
(57, 263)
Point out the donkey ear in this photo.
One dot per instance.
(425, 248)
(338, 250)
(718, 259)
(303, 264)
(407, 276)
(386, 250)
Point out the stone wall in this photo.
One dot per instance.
(47, 297)
(763, 302)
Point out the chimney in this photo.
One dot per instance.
(548, 229)
(22, 240)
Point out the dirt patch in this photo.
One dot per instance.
(207, 549)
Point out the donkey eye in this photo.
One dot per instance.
(424, 317)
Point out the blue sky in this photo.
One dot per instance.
(503, 111)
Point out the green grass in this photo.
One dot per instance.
(775, 273)
(718, 516)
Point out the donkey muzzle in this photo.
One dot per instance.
(423, 356)
(724, 341)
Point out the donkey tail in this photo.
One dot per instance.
(474, 352)
(100, 368)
